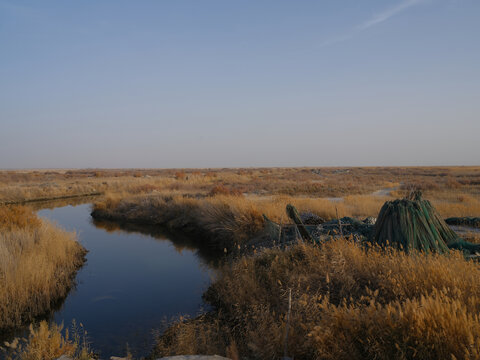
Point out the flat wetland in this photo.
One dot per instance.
(164, 246)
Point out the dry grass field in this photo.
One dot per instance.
(436, 182)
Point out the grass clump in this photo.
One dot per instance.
(18, 217)
(348, 303)
(50, 342)
(38, 262)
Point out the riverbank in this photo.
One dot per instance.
(225, 222)
(52, 198)
(233, 222)
(38, 266)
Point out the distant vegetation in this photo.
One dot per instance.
(435, 182)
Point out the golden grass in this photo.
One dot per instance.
(38, 262)
(47, 342)
(18, 217)
(437, 182)
(348, 303)
(458, 205)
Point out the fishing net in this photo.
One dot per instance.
(413, 224)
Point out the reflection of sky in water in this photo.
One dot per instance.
(130, 284)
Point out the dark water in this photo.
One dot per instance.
(131, 283)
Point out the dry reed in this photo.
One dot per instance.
(48, 342)
(349, 303)
(38, 262)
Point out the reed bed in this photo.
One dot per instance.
(348, 303)
(442, 183)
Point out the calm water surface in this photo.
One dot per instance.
(130, 284)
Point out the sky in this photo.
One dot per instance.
(239, 83)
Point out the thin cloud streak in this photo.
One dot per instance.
(375, 20)
(387, 14)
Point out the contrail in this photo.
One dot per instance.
(376, 19)
(387, 14)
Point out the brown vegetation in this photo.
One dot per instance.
(447, 184)
(222, 221)
(47, 342)
(38, 262)
(348, 303)
(229, 221)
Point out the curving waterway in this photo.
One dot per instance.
(134, 280)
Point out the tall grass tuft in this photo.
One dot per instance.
(48, 342)
(38, 262)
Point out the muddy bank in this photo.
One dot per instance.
(52, 198)
(469, 221)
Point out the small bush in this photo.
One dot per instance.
(223, 190)
(180, 175)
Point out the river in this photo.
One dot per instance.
(132, 283)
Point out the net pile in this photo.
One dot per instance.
(413, 224)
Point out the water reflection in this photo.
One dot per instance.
(181, 242)
(52, 204)
(135, 277)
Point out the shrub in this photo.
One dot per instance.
(223, 190)
(180, 175)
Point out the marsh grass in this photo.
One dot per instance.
(442, 183)
(38, 262)
(348, 303)
(50, 342)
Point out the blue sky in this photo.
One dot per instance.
(226, 83)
